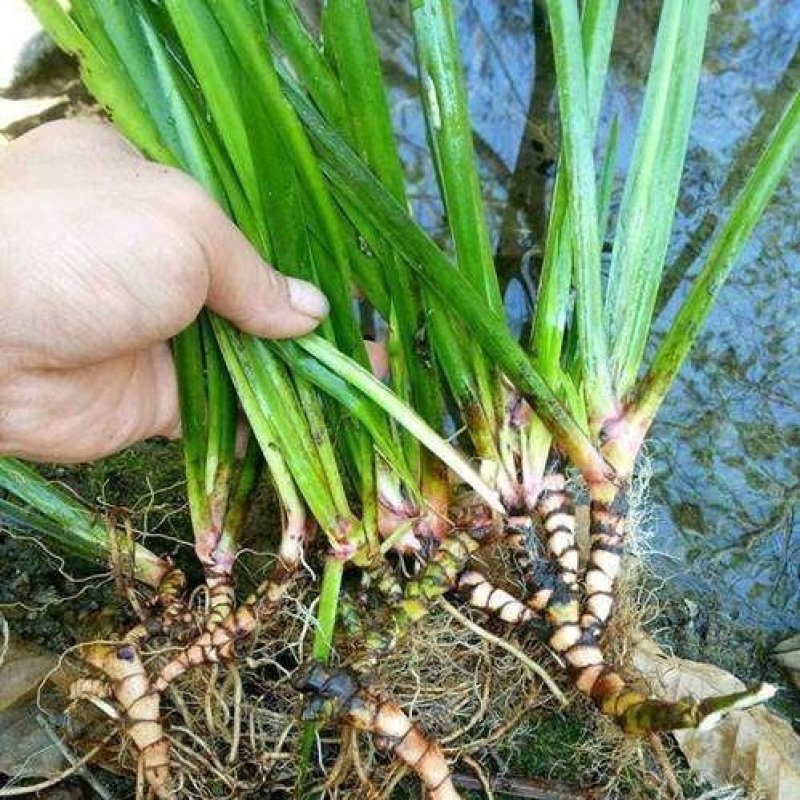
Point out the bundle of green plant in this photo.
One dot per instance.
(291, 134)
(62, 524)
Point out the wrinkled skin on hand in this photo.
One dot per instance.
(103, 257)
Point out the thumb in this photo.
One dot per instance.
(244, 289)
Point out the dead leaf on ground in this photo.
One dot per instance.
(787, 654)
(22, 670)
(26, 750)
(754, 747)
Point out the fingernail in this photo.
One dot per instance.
(307, 299)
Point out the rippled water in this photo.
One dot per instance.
(725, 448)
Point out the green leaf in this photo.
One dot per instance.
(553, 299)
(223, 418)
(271, 406)
(651, 190)
(752, 200)
(367, 383)
(356, 185)
(336, 386)
(444, 100)
(25, 483)
(104, 78)
(64, 523)
(606, 187)
(351, 46)
(258, 70)
(328, 605)
(450, 133)
(577, 140)
(217, 70)
(306, 57)
(187, 350)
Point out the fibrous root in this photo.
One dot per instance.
(337, 695)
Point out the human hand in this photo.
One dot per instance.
(103, 257)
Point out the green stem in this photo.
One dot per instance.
(323, 640)
(328, 606)
(243, 482)
(366, 382)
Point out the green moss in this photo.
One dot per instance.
(128, 477)
(552, 748)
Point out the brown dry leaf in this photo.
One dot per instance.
(25, 748)
(754, 747)
(21, 671)
(26, 751)
(787, 654)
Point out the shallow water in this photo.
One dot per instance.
(724, 450)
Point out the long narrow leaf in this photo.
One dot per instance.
(438, 338)
(748, 208)
(632, 227)
(306, 56)
(577, 139)
(262, 420)
(354, 182)
(606, 185)
(650, 196)
(335, 385)
(63, 522)
(187, 351)
(450, 132)
(350, 44)
(366, 382)
(237, 25)
(444, 99)
(103, 78)
(553, 300)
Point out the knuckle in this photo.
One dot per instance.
(180, 193)
(80, 136)
(274, 284)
